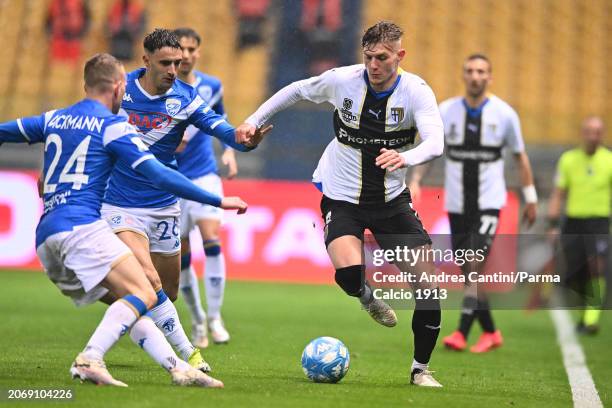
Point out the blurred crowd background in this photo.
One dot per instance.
(551, 61)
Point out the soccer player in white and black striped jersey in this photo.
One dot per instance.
(478, 126)
(378, 110)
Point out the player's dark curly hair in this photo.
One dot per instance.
(381, 32)
(188, 33)
(159, 38)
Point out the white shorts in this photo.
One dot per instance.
(78, 260)
(161, 226)
(192, 211)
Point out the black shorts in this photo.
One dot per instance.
(583, 240)
(393, 224)
(473, 231)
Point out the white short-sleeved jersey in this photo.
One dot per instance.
(474, 173)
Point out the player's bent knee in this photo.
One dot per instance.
(212, 247)
(153, 278)
(350, 279)
(148, 296)
(209, 229)
(137, 303)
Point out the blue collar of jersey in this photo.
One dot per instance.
(96, 105)
(474, 112)
(383, 94)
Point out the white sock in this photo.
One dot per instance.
(420, 366)
(148, 337)
(214, 282)
(117, 320)
(190, 288)
(166, 318)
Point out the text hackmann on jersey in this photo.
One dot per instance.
(472, 277)
(77, 122)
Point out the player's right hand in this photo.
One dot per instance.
(258, 136)
(244, 133)
(234, 203)
(251, 136)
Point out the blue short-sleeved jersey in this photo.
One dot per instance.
(161, 121)
(198, 157)
(82, 144)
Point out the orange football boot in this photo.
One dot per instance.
(487, 342)
(455, 341)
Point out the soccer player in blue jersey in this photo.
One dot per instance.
(78, 250)
(197, 161)
(143, 216)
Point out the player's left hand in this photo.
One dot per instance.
(234, 203)
(390, 160)
(529, 214)
(228, 158)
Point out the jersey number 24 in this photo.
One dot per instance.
(79, 156)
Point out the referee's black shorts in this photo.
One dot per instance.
(583, 240)
(393, 224)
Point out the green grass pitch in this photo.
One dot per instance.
(270, 325)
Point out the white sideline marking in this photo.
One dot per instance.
(581, 382)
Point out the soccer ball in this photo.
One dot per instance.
(325, 359)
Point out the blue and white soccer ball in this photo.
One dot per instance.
(325, 359)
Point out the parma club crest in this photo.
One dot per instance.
(397, 114)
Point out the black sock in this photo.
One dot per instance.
(468, 314)
(351, 279)
(426, 327)
(484, 316)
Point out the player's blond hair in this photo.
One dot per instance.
(381, 32)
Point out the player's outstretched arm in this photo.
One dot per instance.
(317, 89)
(211, 123)
(24, 130)
(122, 141)
(174, 182)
